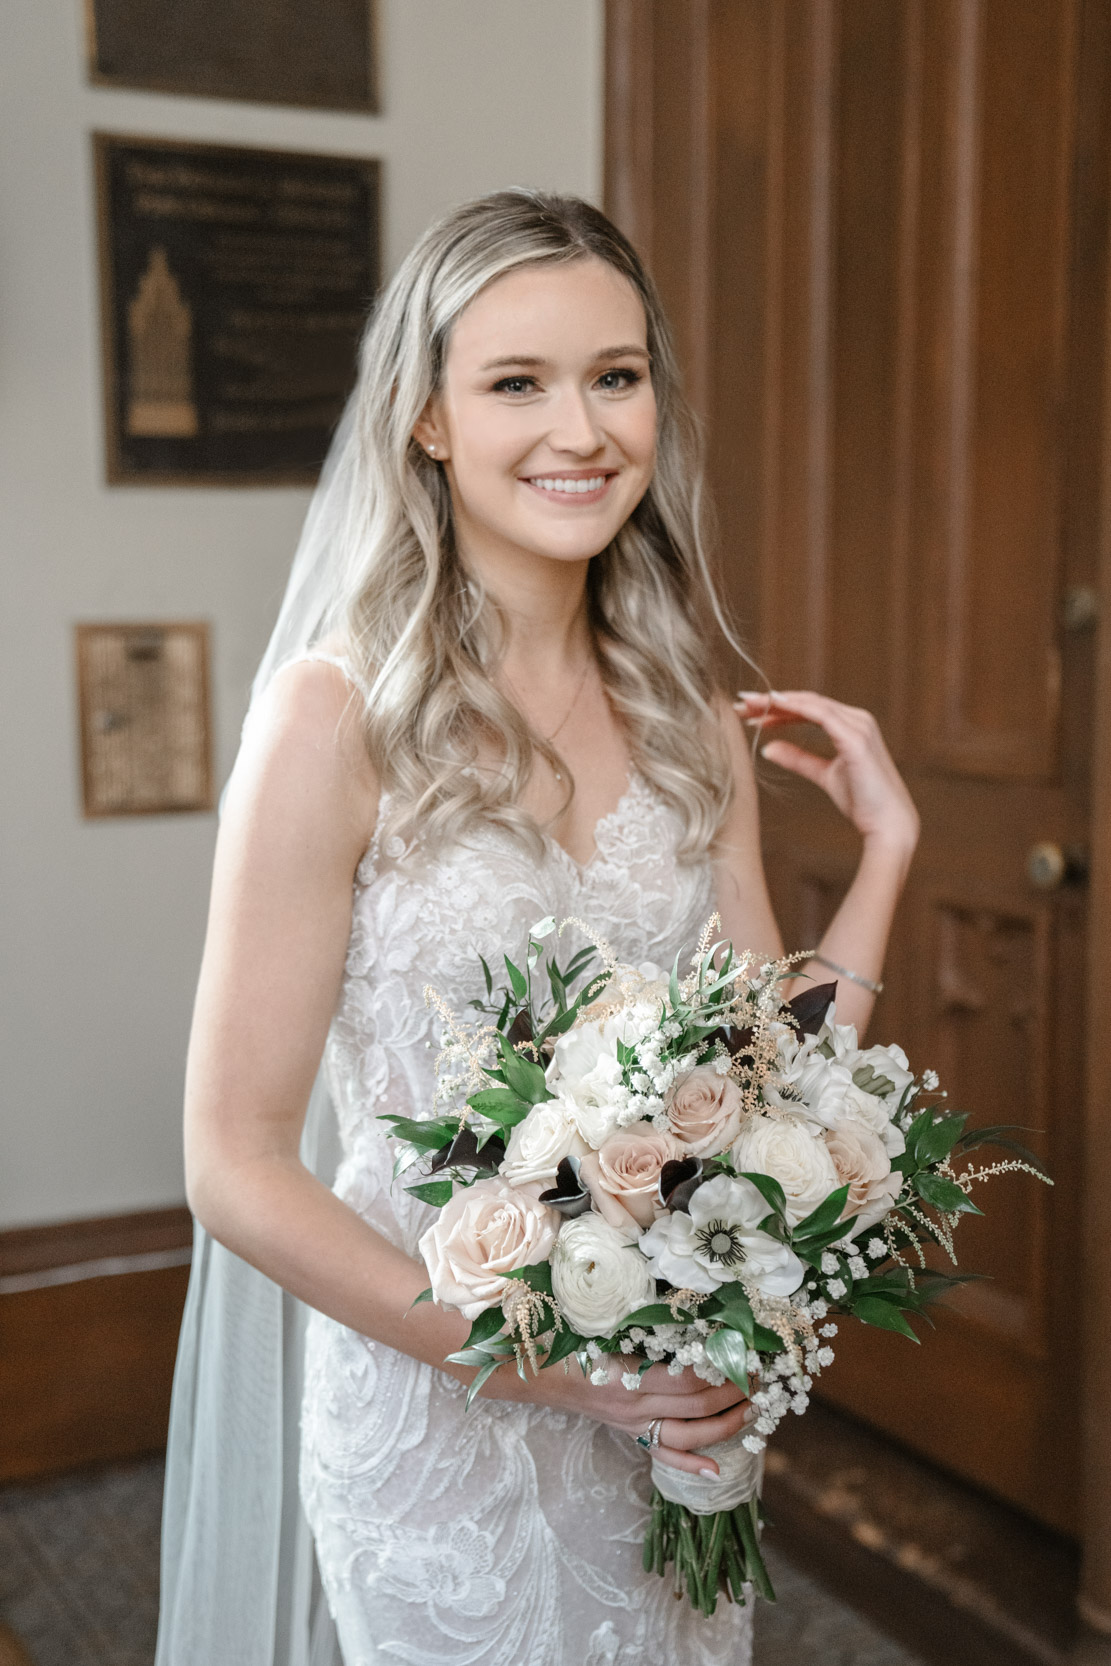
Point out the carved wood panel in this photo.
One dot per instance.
(881, 227)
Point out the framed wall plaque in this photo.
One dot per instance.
(234, 286)
(146, 745)
(321, 54)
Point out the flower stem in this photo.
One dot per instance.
(709, 1554)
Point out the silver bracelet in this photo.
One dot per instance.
(853, 977)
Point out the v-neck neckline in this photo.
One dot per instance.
(601, 827)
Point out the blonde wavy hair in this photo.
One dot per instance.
(420, 629)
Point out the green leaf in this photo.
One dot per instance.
(766, 1341)
(487, 1371)
(882, 1315)
(426, 1136)
(771, 1191)
(500, 1105)
(538, 1276)
(937, 1139)
(437, 1192)
(999, 1138)
(654, 1314)
(729, 1352)
(524, 1077)
(425, 1296)
(489, 1323)
(733, 1308)
(566, 1342)
(827, 1214)
(944, 1194)
(486, 974)
(516, 980)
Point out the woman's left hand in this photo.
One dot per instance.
(860, 778)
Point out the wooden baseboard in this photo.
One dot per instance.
(89, 1318)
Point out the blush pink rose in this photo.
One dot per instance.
(704, 1111)
(622, 1176)
(483, 1232)
(860, 1158)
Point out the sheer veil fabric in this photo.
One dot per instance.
(240, 1585)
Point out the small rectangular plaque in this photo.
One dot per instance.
(144, 709)
(320, 54)
(234, 287)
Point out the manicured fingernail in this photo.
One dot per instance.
(712, 1473)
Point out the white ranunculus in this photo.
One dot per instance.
(720, 1241)
(791, 1149)
(539, 1144)
(598, 1278)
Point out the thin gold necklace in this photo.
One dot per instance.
(548, 739)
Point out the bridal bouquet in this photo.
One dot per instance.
(632, 1166)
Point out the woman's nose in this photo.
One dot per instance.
(575, 427)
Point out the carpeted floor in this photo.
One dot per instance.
(79, 1582)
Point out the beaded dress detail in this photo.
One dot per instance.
(509, 1535)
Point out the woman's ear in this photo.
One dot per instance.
(428, 433)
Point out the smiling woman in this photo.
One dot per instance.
(504, 554)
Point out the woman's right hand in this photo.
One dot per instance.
(694, 1414)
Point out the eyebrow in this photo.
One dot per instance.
(532, 362)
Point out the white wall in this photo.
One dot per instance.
(101, 922)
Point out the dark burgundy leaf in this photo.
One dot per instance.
(679, 1180)
(808, 1009)
(569, 1196)
(733, 1040)
(520, 1030)
(462, 1153)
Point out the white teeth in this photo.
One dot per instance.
(558, 484)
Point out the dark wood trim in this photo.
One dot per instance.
(86, 1367)
(33, 1249)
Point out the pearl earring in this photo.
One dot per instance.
(432, 451)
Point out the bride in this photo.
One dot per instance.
(488, 699)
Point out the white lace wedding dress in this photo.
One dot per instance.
(507, 1535)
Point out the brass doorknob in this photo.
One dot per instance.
(1049, 867)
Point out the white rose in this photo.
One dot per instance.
(483, 1232)
(861, 1160)
(598, 1278)
(791, 1150)
(539, 1144)
(719, 1242)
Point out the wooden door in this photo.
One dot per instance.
(880, 227)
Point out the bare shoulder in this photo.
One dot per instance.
(737, 742)
(303, 758)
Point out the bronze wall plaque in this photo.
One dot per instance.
(320, 54)
(234, 286)
(146, 745)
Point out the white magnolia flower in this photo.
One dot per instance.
(823, 1089)
(791, 1150)
(719, 1241)
(598, 1278)
(538, 1145)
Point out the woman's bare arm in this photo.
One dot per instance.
(865, 786)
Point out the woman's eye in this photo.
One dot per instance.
(515, 384)
(616, 381)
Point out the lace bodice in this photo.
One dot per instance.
(508, 1535)
(416, 923)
